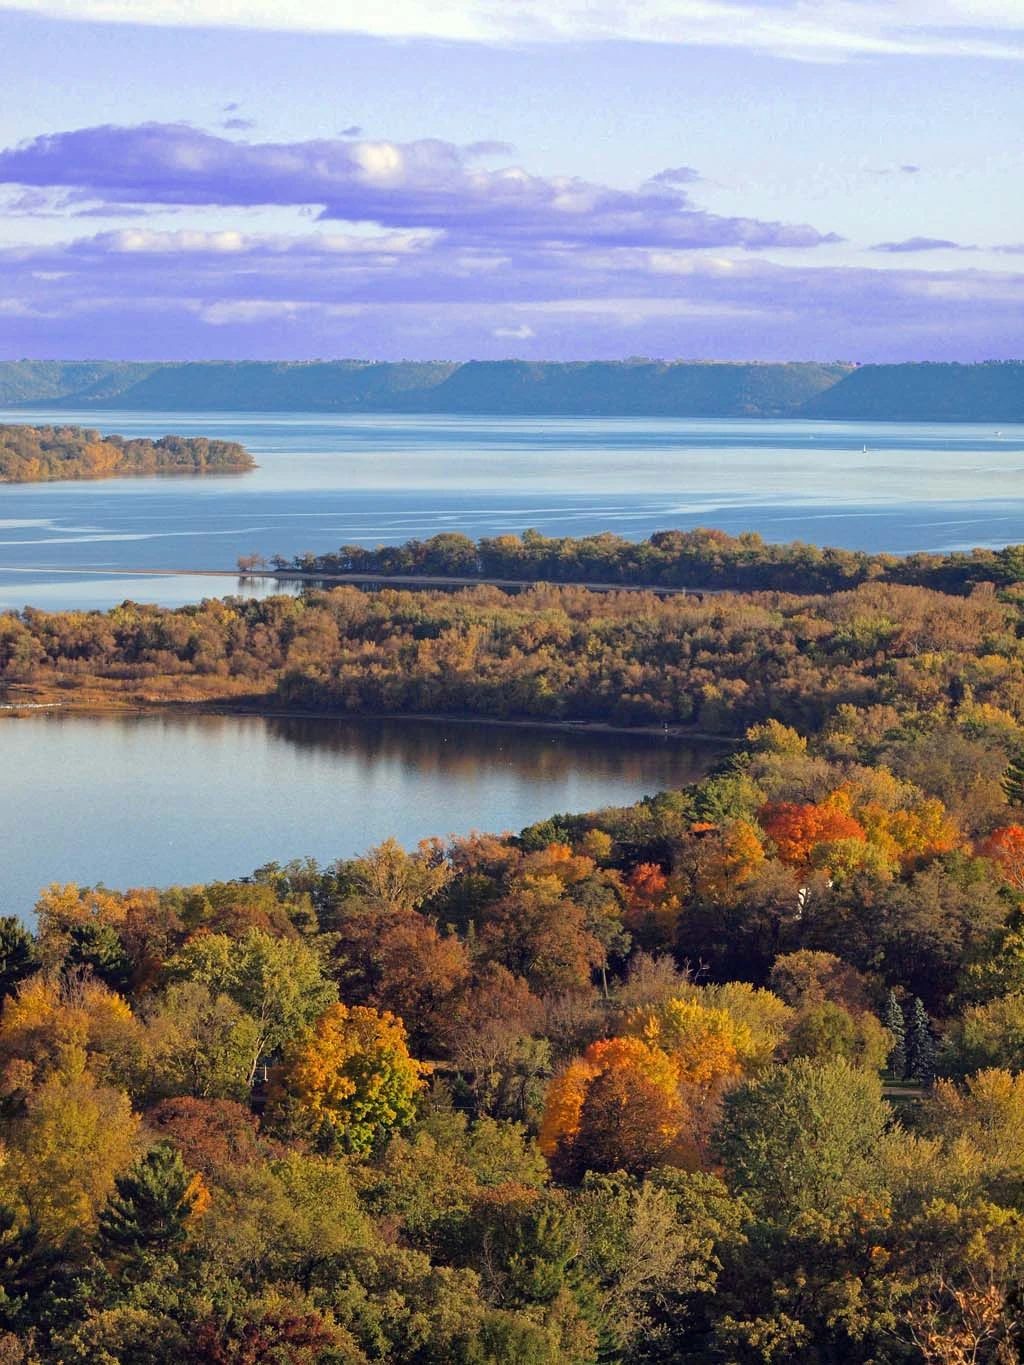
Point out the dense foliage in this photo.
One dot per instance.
(895, 653)
(34, 454)
(699, 560)
(733, 1075)
(650, 1084)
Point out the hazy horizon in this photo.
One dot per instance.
(489, 360)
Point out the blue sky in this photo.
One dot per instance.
(762, 179)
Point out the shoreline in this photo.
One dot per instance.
(378, 581)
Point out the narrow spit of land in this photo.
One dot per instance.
(698, 561)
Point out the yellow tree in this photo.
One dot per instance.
(707, 1048)
(704, 1043)
(727, 861)
(62, 1158)
(46, 1024)
(350, 1076)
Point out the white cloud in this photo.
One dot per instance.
(139, 241)
(803, 29)
(143, 242)
(520, 333)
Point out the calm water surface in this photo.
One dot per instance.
(328, 480)
(144, 800)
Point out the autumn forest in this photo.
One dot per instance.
(730, 1075)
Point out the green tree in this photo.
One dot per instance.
(823, 1031)
(17, 955)
(804, 1137)
(1013, 780)
(98, 948)
(198, 1043)
(895, 1023)
(279, 982)
(152, 1203)
(990, 1035)
(27, 1269)
(920, 1044)
(649, 1246)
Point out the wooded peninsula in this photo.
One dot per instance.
(40, 454)
(552, 653)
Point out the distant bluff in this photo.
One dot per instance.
(990, 392)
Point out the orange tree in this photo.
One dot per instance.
(615, 1108)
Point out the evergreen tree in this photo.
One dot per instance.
(895, 1023)
(1013, 780)
(99, 948)
(920, 1045)
(152, 1204)
(27, 1270)
(17, 955)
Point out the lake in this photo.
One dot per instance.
(154, 800)
(134, 800)
(326, 480)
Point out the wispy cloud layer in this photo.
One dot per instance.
(424, 184)
(188, 293)
(802, 29)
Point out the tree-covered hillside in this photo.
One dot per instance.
(992, 392)
(728, 1077)
(633, 388)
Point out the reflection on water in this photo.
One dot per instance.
(453, 750)
(151, 800)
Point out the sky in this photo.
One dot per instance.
(548, 179)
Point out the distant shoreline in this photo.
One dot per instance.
(987, 392)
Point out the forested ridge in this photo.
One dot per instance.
(36, 454)
(731, 1075)
(988, 392)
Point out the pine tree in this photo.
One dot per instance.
(896, 1025)
(153, 1202)
(920, 1046)
(17, 955)
(1013, 781)
(28, 1271)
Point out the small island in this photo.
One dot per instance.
(31, 454)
